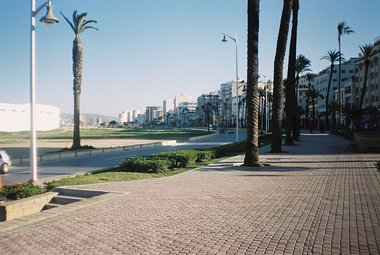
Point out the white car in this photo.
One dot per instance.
(5, 162)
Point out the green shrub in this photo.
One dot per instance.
(20, 190)
(178, 158)
(205, 155)
(230, 149)
(145, 165)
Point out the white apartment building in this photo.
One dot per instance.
(321, 81)
(168, 105)
(181, 98)
(16, 117)
(229, 95)
(128, 116)
(187, 113)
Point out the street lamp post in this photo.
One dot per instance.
(49, 18)
(237, 78)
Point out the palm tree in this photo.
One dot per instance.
(312, 95)
(309, 78)
(78, 25)
(290, 85)
(332, 56)
(278, 76)
(342, 29)
(302, 65)
(367, 51)
(252, 151)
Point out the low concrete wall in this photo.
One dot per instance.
(23, 207)
(91, 152)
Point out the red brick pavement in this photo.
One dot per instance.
(315, 199)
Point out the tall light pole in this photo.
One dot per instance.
(49, 18)
(237, 79)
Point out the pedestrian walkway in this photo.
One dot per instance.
(317, 198)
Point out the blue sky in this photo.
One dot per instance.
(149, 50)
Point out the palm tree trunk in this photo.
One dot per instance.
(252, 152)
(313, 102)
(77, 82)
(327, 96)
(278, 77)
(366, 65)
(296, 121)
(307, 105)
(290, 88)
(339, 81)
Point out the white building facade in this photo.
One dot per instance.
(16, 117)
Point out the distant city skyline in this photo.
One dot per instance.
(148, 51)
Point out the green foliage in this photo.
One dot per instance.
(20, 190)
(145, 165)
(166, 161)
(205, 155)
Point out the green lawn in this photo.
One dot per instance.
(105, 133)
(114, 175)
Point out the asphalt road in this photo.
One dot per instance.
(50, 170)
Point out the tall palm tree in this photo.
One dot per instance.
(309, 78)
(252, 151)
(302, 65)
(367, 51)
(290, 85)
(342, 29)
(79, 24)
(278, 76)
(332, 56)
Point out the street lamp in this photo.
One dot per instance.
(49, 18)
(237, 78)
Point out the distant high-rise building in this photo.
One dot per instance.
(153, 114)
(180, 99)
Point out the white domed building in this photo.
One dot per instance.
(16, 117)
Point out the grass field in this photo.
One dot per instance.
(104, 133)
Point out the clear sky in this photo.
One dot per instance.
(149, 50)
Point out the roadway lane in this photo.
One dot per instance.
(55, 169)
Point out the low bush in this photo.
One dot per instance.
(20, 190)
(230, 149)
(205, 155)
(145, 165)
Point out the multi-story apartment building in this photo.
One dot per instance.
(187, 114)
(321, 81)
(181, 98)
(230, 94)
(208, 105)
(371, 102)
(128, 116)
(153, 114)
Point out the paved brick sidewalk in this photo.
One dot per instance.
(316, 199)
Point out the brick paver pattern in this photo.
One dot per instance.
(319, 198)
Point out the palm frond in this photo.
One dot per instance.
(68, 21)
(367, 50)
